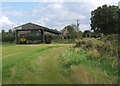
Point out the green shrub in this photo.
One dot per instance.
(8, 38)
(87, 43)
(108, 49)
(112, 37)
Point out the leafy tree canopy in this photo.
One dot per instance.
(105, 19)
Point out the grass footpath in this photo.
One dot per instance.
(32, 64)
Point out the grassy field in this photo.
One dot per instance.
(43, 64)
(31, 64)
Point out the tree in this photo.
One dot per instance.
(87, 33)
(10, 31)
(8, 36)
(3, 32)
(105, 19)
(70, 29)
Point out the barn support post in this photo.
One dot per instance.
(42, 36)
(16, 36)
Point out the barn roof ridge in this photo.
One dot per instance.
(30, 23)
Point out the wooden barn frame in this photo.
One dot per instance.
(34, 27)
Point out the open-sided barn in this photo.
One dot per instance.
(33, 28)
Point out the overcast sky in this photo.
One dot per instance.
(54, 14)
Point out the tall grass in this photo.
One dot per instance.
(97, 54)
(106, 52)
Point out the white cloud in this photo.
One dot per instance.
(5, 22)
(84, 27)
(56, 6)
(43, 21)
(56, 15)
(97, 3)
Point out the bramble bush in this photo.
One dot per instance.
(103, 50)
(107, 45)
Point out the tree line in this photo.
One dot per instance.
(8, 36)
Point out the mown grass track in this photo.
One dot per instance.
(32, 64)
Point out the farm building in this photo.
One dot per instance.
(30, 28)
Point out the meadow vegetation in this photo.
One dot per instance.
(92, 60)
